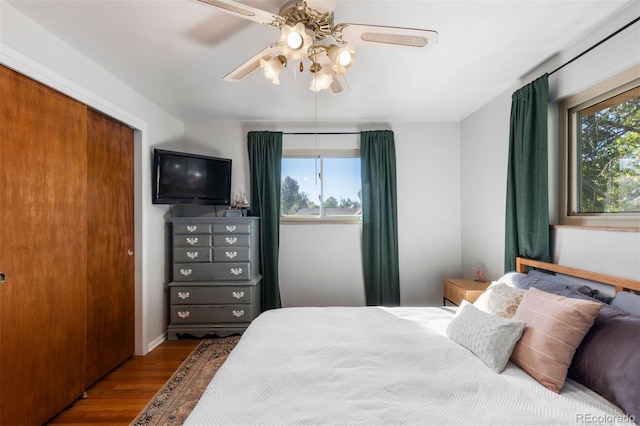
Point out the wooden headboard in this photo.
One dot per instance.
(620, 284)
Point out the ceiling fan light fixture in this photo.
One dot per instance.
(341, 57)
(273, 67)
(321, 79)
(309, 35)
(294, 41)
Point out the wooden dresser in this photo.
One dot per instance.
(216, 284)
(455, 290)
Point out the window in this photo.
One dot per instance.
(321, 185)
(603, 158)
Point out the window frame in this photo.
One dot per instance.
(321, 153)
(568, 161)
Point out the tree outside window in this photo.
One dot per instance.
(608, 156)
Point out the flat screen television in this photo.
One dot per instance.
(182, 178)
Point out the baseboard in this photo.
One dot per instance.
(156, 342)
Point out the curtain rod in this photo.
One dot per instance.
(320, 133)
(595, 45)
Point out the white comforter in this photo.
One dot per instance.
(378, 366)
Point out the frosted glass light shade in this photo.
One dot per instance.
(321, 80)
(272, 69)
(294, 42)
(341, 58)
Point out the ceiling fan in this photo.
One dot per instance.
(308, 34)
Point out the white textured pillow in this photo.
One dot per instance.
(500, 299)
(489, 337)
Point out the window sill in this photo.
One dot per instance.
(599, 228)
(340, 220)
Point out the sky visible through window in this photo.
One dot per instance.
(341, 176)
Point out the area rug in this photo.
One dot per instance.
(173, 403)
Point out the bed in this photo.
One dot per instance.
(432, 365)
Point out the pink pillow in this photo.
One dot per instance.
(555, 327)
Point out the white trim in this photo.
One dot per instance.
(156, 342)
(36, 71)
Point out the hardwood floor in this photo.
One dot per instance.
(122, 394)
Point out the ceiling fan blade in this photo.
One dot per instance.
(397, 36)
(243, 11)
(252, 64)
(322, 5)
(339, 85)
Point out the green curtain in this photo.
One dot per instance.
(265, 155)
(527, 208)
(379, 218)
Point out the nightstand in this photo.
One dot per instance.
(457, 289)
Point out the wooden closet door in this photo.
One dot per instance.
(43, 250)
(110, 224)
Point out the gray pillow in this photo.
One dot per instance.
(627, 301)
(608, 358)
(489, 337)
(557, 284)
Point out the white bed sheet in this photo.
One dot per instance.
(378, 366)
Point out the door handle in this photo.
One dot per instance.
(3, 277)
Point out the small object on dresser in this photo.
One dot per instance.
(479, 274)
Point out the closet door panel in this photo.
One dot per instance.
(110, 286)
(43, 250)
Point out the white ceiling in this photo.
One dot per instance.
(176, 52)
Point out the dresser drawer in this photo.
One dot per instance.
(220, 295)
(232, 271)
(212, 271)
(192, 255)
(192, 240)
(231, 254)
(231, 228)
(198, 314)
(453, 293)
(232, 240)
(192, 228)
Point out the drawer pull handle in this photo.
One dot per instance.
(184, 295)
(192, 240)
(231, 228)
(183, 314)
(231, 254)
(192, 254)
(192, 228)
(238, 294)
(236, 271)
(231, 240)
(186, 272)
(238, 313)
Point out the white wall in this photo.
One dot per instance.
(485, 135)
(429, 218)
(484, 155)
(33, 51)
(329, 269)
